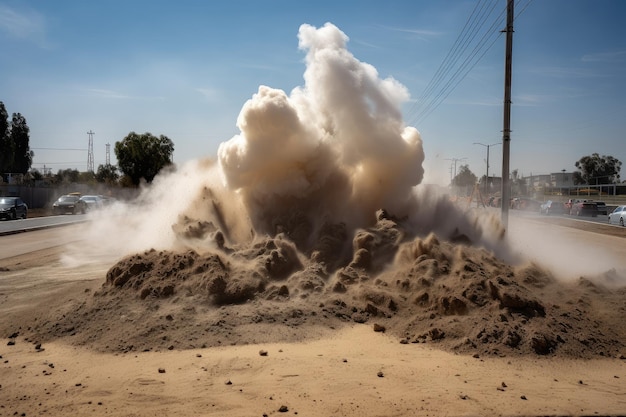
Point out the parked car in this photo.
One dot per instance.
(65, 204)
(602, 208)
(12, 208)
(89, 202)
(552, 207)
(618, 216)
(584, 208)
(526, 204)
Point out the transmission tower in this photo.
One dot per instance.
(90, 152)
(108, 154)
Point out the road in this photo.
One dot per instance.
(38, 239)
(597, 224)
(8, 227)
(44, 233)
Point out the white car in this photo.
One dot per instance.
(89, 202)
(618, 216)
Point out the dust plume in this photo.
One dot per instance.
(335, 147)
(316, 213)
(332, 152)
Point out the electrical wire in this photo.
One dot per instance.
(450, 74)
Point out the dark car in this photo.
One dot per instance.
(553, 207)
(602, 208)
(584, 208)
(13, 208)
(65, 204)
(89, 202)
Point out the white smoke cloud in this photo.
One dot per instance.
(334, 150)
(336, 146)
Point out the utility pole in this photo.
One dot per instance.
(90, 152)
(506, 130)
(487, 176)
(454, 161)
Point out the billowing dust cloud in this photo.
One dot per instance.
(315, 214)
(336, 147)
(333, 151)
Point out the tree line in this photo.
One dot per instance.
(143, 156)
(592, 170)
(15, 154)
(140, 156)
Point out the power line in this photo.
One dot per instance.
(440, 71)
(59, 163)
(59, 149)
(450, 72)
(443, 81)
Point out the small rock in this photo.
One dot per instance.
(504, 385)
(379, 328)
(283, 409)
(11, 343)
(380, 374)
(229, 382)
(161, 370)
(263, 352)
(523, 397)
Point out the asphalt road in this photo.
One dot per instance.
(8, 227)
(599, 224)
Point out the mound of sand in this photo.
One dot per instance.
(418, 289)
(279, 239)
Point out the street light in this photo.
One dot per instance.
(487, 146)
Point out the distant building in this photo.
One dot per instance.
(562, 179)
(556, 179)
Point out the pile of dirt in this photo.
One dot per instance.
(420, 289)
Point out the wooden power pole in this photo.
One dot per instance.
(506, 130)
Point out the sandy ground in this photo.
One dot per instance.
(319, 368)
(355, 372)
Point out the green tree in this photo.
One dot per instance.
(6, 150)
(596, 169)
(107, 174)
(87, 177)
(67, 176)
(36, 175)
(465, 177)
(20, 137)
(143, 156)
(15, 153)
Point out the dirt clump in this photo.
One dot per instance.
(419, 289)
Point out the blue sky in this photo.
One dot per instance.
(184, 69)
